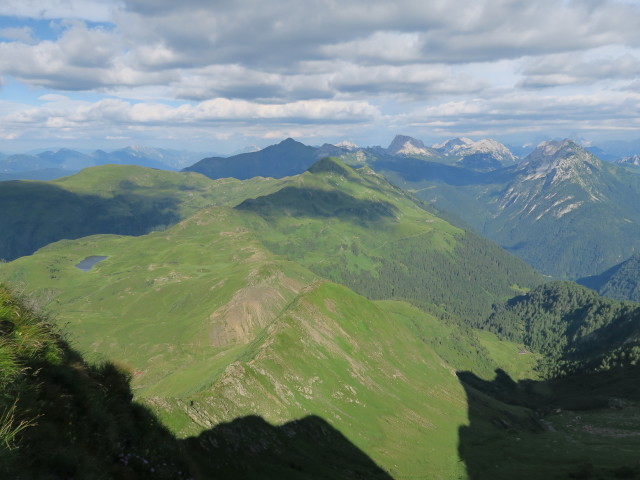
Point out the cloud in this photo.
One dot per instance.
(62, 119)
(21, 34)
(189, 45)
(82, 58)
(60, 110)
(91, 10)
(566, 69)
(265, 66)
(324, 80)
(527, 113)
(386, 47)
(282, 33)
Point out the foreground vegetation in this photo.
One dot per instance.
(63, 418)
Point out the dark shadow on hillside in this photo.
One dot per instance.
(620, 282)
(309, 448)
(313, 202)
(83, 424)
(36, 214)
(511, 434)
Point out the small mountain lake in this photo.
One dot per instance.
(89, 262)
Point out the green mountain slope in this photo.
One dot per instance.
(562, 210)
(190, 316)
(208, 269)
(354, 228)
(63, 418)
(214, 326)
(620, 282)
(572, 326)
(231, 336)
(398, 404)
(108, 199)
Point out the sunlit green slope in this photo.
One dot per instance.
(225, 322)
(164, 303)
(214, 326)
(355, 228)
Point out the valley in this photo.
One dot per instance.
(322, 324)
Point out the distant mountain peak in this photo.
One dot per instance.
(632, 160)
(552, 147)
(464, 147)
(555, 179)
(347, 145)
(452, 143)
(563, 159)
(289, 157)
(405, 145)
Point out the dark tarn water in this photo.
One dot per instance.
(89, 262)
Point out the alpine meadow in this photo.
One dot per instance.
(295, 240)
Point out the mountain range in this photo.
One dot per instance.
(560, 209)
(50, 164)
(226, 315)
(114, 199)
(560, 194)
(290, 157)
(324, 324)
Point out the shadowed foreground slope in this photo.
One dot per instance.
(586, 426)
(63, 418)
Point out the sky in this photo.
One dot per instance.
(221, 75)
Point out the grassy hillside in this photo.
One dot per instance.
(216, 329)
(116, 199)
(398, 404)
(267, 370)
(354, 228)
(333, 387)
(63, 418)
(167, 302)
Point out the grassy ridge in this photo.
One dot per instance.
(165, 303)
(227, 333)
(168, 307)
(354, 228)
(114, 199)
(370, 369)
